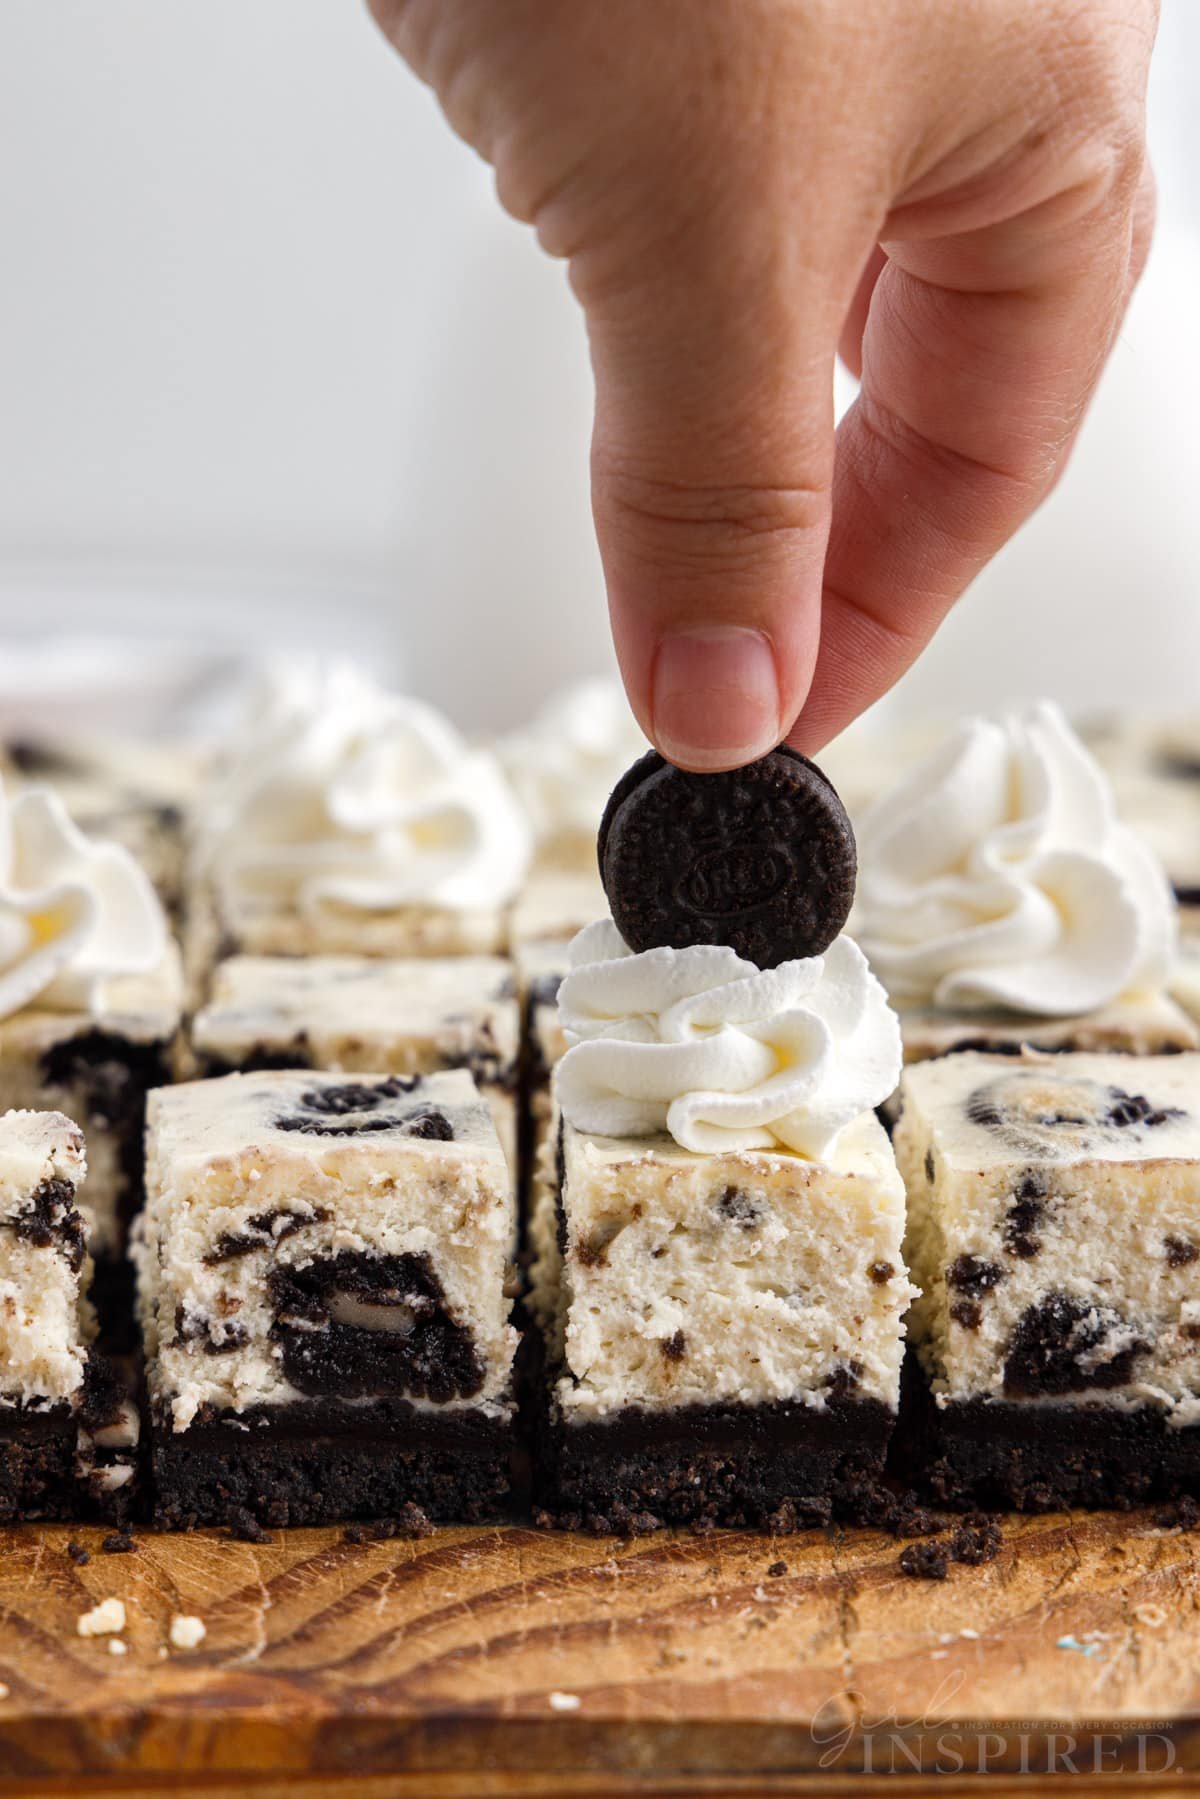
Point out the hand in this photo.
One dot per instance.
(953, 190)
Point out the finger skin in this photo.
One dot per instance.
(956, 194)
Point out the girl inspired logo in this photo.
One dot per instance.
(737, 877)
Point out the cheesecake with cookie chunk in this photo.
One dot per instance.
(1002, 901)
(1054, 1232)
(324, 1278)
(68, 1434)
(718, 1274)
(90, 1004)
(354, 1014)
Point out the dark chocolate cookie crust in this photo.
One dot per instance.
(1006, 1454)
(778, 1467)
(37, 1465)
(317, 1463)
(760, 859)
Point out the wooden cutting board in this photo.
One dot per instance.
(509, 1661)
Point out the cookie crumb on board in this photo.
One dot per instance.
(104, 1620)
(187, 1631)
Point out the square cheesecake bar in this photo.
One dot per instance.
(353, 1014)
(68, 1437)
(1054, 1231)
(723, 1333)
(132, 793)
(1145, 1025)
(98, 1067)
(554, 903)
(230, 915)
(1185, 977)
(324, 1280)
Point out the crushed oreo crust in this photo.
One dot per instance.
(925, 1561)
(974, 1541)
(244, 1527)
(410, 1521)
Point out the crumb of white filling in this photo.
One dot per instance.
(103, 1620)
(187, 1632)
(564, 1702)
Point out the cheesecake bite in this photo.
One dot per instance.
(98, 1066)
(723, 1331)
(355, 1014)
(324, 1280)
(1054, 1232)
(90, 1004)
(717, 1271)
(68, 1437)
(350, 821)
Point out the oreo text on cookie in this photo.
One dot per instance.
(760, 859)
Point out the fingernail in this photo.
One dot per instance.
(715, 697)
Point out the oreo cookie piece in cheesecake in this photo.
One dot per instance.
(68, 1436)
(1054, 1230)
(324, 1278)
(350, 1013)
(98, 1065)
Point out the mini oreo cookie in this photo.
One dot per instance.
(760, 858)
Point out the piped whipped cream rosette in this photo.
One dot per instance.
(343, 794)
(721, 1054)
(74, 914)
(997, 874)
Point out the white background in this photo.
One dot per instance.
(274, 368)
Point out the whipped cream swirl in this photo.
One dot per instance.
(720, 1053)
(565, 764)
(74, 914)
(998, 874)
(342, 793)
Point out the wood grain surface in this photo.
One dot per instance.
(516, 1662)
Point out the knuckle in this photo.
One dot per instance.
(706, 523)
